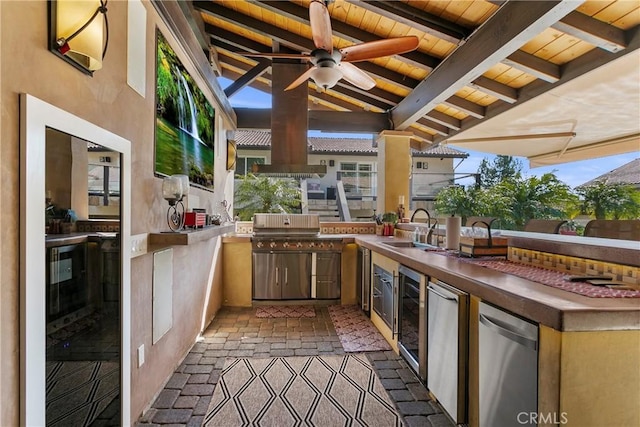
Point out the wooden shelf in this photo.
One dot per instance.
(158, 241)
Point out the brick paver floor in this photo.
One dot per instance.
(236, 332)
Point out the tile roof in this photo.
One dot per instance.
(628, 173)
(262, 139)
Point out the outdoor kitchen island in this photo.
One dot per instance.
(588, 349)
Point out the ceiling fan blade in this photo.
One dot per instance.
(356, 76)
(303, 78)
(320, 25)
(275, 55)
(379, 48)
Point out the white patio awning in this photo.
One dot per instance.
(594, 115)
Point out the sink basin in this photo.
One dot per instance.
(409, 244)
(400, 244)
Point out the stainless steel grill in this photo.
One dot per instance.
(291, 232)
(286, 225)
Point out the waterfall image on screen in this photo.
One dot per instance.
(184, 121)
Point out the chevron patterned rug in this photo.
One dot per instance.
(77, 392)
(323, 391)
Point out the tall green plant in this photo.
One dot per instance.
(262, 194)
(544, 197)
(610, 200)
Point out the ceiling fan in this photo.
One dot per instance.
(331, 65)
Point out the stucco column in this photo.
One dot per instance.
(394, 168)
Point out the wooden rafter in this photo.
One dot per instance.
(502, 34)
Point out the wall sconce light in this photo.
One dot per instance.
(174, 188)
(79, 32)
(231, 154)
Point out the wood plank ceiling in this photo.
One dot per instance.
(475, 58)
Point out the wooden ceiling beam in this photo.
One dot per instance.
(531, 64)
(468, 107)
(248, 77)
(375, 93)
(496, 89)
(354, 35)
(249, 23)
(415, 18)
(330, 121)
(351, 93)
(436, 127)
(350, 121)
(256, 84)
(592, 31)
(444, 119)
(503, 33)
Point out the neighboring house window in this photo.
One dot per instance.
(104, 185)
(244, 164)
(358, 178)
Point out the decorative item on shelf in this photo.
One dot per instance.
(225, 218)
(79, 32)
(401, 208)
(195, 219)
(174, 188)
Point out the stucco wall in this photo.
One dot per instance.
(106, 100)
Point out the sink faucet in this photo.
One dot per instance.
(430, 232)
(422, 210)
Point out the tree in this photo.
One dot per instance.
(544, 197)
(610, 201)
(264, 194)
(466, 202)
(502, 167)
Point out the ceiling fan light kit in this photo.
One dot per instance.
(325, 77)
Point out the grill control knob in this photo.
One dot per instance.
(312, 244)
(321, 245)
(259, 244)
(330, 245)
(285, 245)
(272, 245)
(299, 245)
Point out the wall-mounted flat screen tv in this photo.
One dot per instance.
(184, 121)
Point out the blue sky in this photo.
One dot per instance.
(573, 174)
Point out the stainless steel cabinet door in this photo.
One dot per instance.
(378, 290)
(266, 272)
(327, 280)
(447, 354)
(508, 363)
(295, 275)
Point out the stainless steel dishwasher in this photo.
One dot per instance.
(447, 355)
(508, 363)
